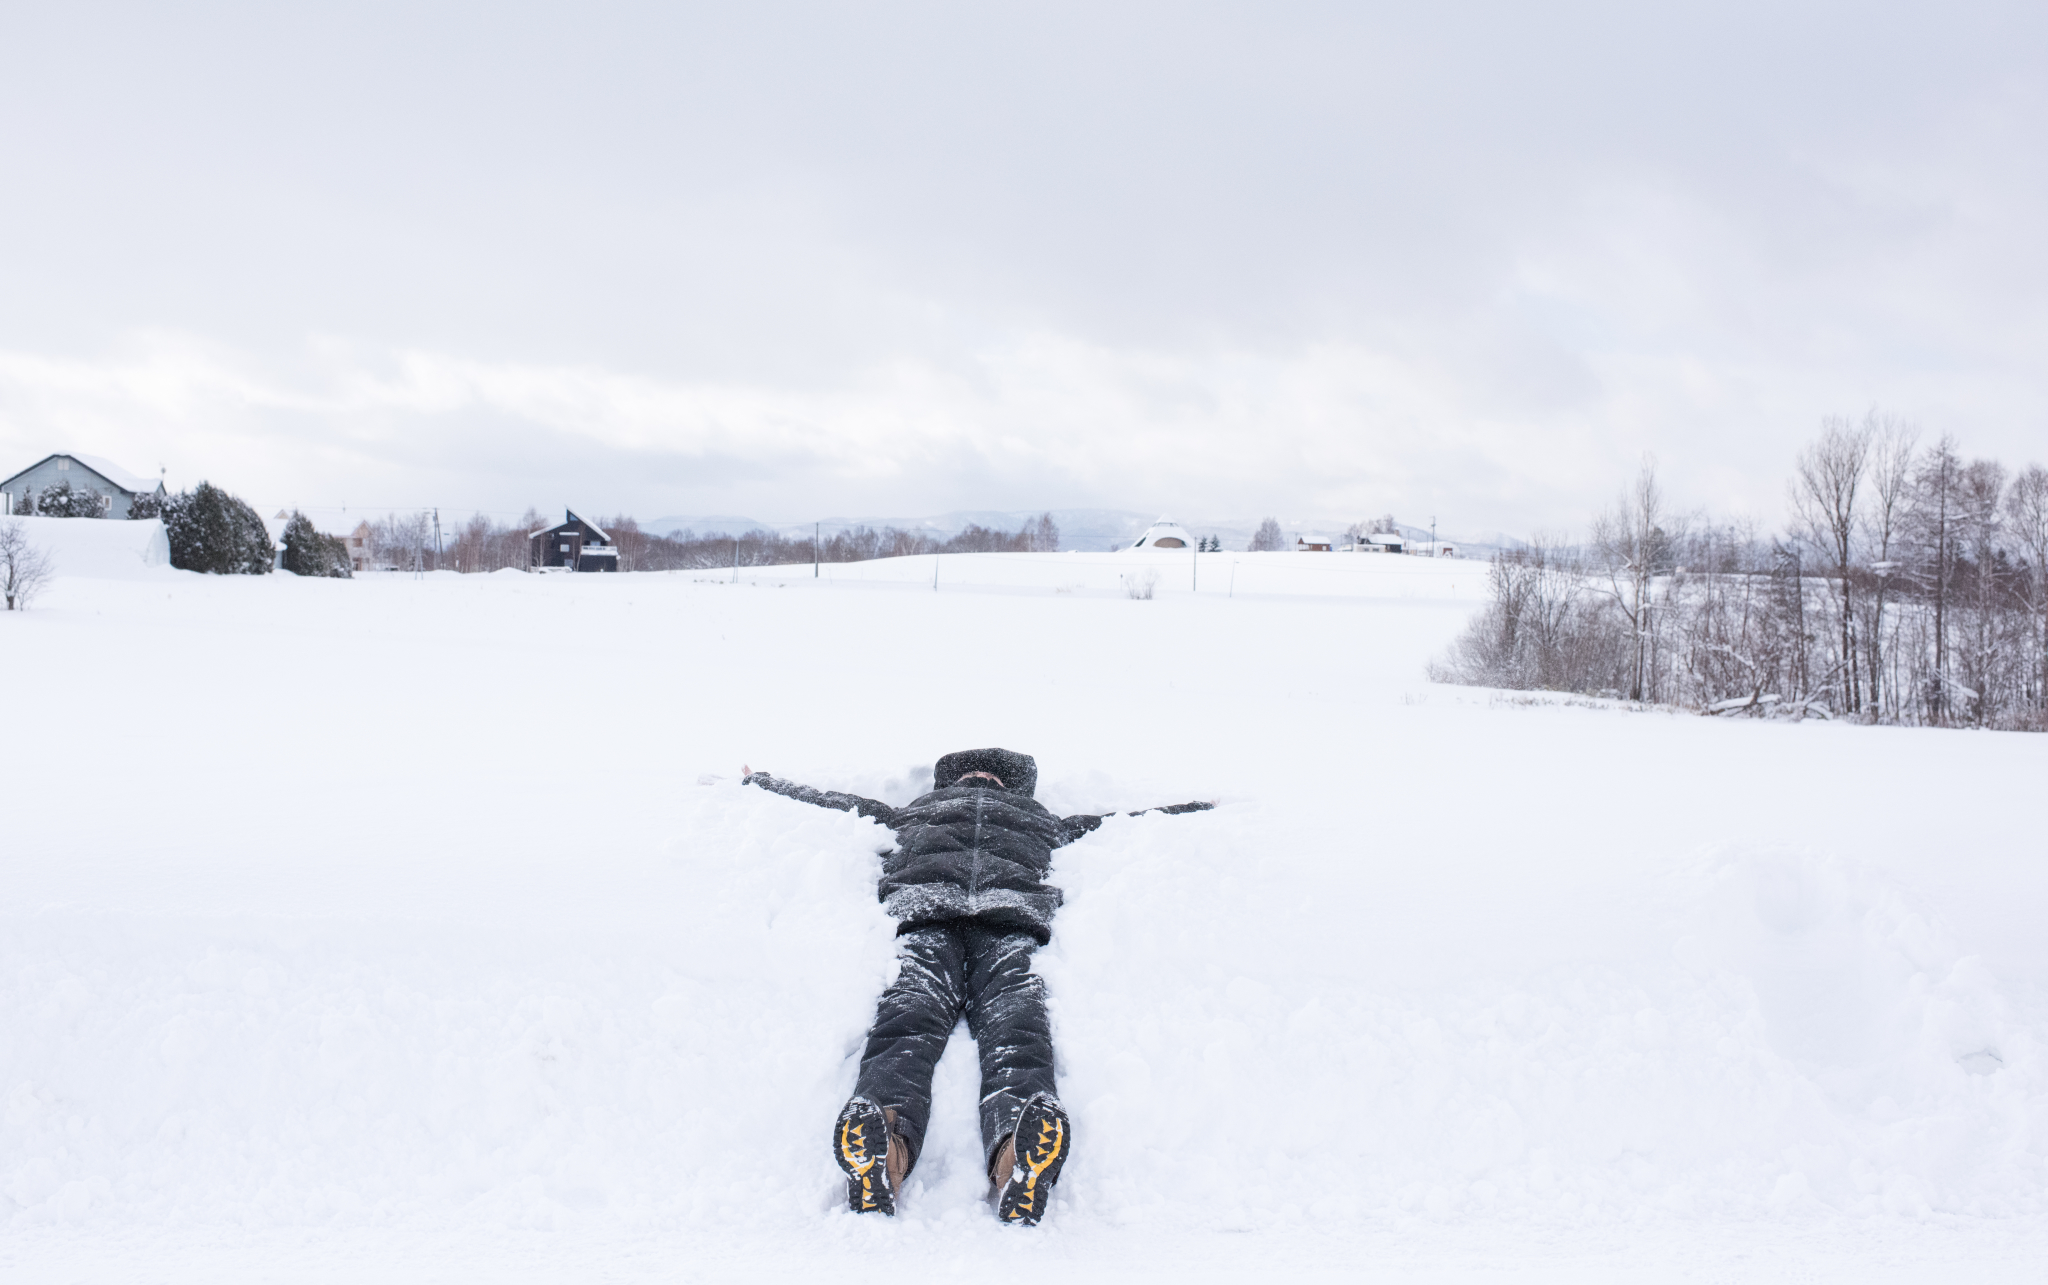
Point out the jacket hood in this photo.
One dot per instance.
(1019, 772)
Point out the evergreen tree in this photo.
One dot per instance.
(307, 552)
(62, 501)
(212, 531)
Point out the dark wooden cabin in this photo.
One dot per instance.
(574, 545)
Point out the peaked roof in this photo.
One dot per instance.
(133, 483)
(586, 522)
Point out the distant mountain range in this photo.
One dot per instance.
(1087, 529)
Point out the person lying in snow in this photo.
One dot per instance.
(966, 881)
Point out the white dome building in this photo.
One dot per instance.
(1164, 534)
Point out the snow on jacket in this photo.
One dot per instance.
(975, 851)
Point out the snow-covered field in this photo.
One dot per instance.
(418, 929)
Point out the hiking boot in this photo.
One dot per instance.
(1032, 1156)
(862, 1146)
(898, 1160)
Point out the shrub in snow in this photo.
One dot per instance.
(1140, 585)
(24, 568)
(210, 530)
(144, 507)
(62, 501)
(307, 552)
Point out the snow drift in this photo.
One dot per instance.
(101, 548)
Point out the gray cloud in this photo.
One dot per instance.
(1469, 259)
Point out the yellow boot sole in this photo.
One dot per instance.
(860, 1144)
(1044, 1136)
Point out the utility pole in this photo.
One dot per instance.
(1433, 550)
(735, 561)
(437, 539)
(1195, 570)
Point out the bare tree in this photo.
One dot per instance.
(404, 541)
(1948, 574)
(470, 549)
(1735, 647)
(1891, 471)
(1042, 535)
(1535, 632)
(24, 568)
(1825, 483)
(629, 540)
(2026, 509)
(1935, 486)
(1980, 525)
(526, 554)
(1267, 539)
(1630, 541)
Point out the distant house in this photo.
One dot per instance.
(1313, 544)
(116, 486)
(357, 542)
(574, 545)
(1382, 542)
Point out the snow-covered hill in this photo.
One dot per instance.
(419, 929)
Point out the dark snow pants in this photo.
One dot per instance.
(949, 969)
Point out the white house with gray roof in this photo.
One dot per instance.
(116, 486)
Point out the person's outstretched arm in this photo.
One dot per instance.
(1076, 826)
(838, 802)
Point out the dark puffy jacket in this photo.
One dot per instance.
(974, 851)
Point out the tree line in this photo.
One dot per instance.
(212, 530)
(481, 544)
(1911, 586)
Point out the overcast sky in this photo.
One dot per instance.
(796, 260)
